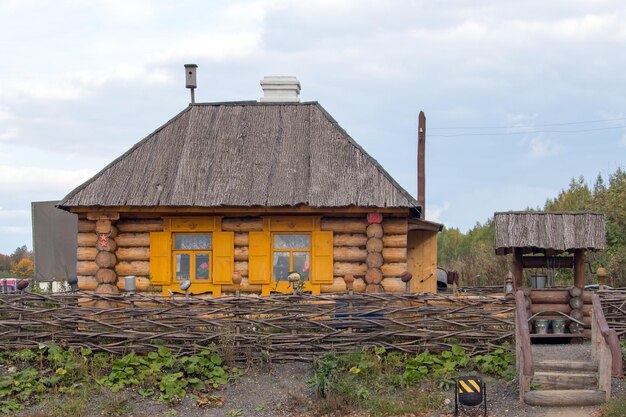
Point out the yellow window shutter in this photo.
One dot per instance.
(259, 271)
(223, 257)
(322, 258)
(160, 258)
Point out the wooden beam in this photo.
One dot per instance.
(547, 261)
(241, 210)
(518, 268)
(579, 268)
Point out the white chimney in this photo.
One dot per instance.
(280, 89)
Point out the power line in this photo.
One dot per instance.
(452, 135)
(530, 126)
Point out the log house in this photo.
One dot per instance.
(255, 189)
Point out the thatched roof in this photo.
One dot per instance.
(244, 154)
(558, 231)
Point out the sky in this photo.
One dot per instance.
(520, 96)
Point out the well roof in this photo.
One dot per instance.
(560, 231)
(244, 154)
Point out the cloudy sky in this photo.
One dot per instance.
(519, 96)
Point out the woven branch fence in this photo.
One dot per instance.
(283, 327)
(614, 306)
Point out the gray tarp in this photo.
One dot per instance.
(54, 241)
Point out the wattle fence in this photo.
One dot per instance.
(282, 327)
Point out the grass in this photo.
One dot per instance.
(371, 381)
(614, 408)
(385, 383)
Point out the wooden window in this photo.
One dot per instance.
(192, 256)
(291, 253)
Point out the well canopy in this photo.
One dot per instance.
(559, 231)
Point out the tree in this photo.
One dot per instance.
(23, 269)
(20, 253)
(5, 262)
(472, 253)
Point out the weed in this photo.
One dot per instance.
(499, 362)
(390, 383)
(115, 404)
(261, 408)
(614, 408)
(71, 372)
(235, 413)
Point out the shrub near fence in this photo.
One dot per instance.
(280, 327)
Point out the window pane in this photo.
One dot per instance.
(292, 241)
(281, 266)
(202, 266)
(301, 264)
(193, 241)
(182, 266)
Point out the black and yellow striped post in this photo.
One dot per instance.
(470, 391)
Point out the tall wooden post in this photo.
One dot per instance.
(518, 269)
(579, 268)
(421, 163)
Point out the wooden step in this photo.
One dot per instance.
(566, 366)
(557, 380)
(567, 397)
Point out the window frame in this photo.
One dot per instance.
(291, 251)
(192, 258)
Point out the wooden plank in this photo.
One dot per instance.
(562, 380)
(561, 398)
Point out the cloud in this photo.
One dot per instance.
(214, 47)
(622, 142)
(123, 72)
(9, 134)
(33, 87)
(541, 148)
(435, 213)
(13, 214)
(15, 229)
(20, 179)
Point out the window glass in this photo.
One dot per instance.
(192, 241)
(301, 264)
(292, 241)
(281, 266)
(182, 266)
(202, 266)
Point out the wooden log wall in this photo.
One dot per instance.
(128, 254)
(375, 254)
(572, 301)
(133, 252)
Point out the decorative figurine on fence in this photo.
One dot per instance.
(296, 280)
